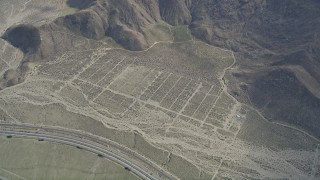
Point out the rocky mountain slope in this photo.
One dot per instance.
(276, 44)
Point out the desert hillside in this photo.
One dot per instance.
(182, 89)
(267, 36)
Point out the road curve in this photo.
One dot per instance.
(41, 133)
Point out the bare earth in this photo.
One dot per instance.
(172, 95)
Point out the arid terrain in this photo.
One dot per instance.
(40, 160)
(192, 86)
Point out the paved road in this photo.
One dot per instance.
(73, 138)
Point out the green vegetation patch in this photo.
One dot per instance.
(205, 56)
(158, 32)
(181, 33)
(67, 11)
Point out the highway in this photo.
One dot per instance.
(91, 143)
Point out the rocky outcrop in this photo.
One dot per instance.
(122, 20)
(25, 37)
(87, 23)
(80, 4)
(128, 38)
(175, 12)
